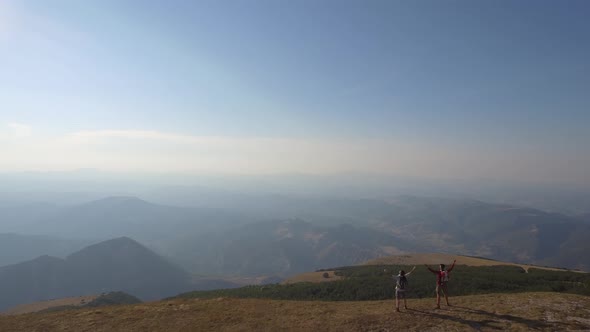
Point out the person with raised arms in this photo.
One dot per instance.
(401, 285)
(442, 279)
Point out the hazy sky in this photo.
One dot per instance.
(444, 89)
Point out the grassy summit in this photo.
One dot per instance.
(516, 312)
(355, 298)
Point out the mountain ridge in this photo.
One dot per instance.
(329, 232)
(120, 264)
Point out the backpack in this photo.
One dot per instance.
(444, 276)
(402, 282)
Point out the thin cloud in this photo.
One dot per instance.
(155, 150)
(20, 130)
(150, 150)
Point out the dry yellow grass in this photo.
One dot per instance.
(516, 312)
(42, 305)
(312, 277)
(438, 258)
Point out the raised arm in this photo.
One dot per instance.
(407, 274)
(452, 266)
(431, 270)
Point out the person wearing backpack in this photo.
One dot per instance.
(442, 278)
(401, 285)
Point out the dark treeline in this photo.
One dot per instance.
(377, 283)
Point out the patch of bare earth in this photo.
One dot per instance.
(515, 312)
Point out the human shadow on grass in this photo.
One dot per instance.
(530, 323)
(490, 323)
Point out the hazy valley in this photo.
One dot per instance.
(297, 234)
(53, 250)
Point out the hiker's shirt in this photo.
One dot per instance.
(442, 277)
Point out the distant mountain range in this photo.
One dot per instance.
(380, 228)
(496, 231)
(295, 234)
(116, 265)
(283, 248)
(116, 216)
(152, 224)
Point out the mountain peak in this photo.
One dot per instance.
(120, 264)
(116, 246)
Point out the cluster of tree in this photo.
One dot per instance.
(113, 298)
(377, 283)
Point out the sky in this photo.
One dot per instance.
(435, 89)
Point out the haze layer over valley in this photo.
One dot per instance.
(276, 231)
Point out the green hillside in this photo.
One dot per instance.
(375, 282)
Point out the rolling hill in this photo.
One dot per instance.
(116, 216)
(283, 248)
(380, 228)
(441, 258)
(500, 232)
(376, 282)
(116, 265)
(283, 235)
(414, 259)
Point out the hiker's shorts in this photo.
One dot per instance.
(442, 286)
(400, 294)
